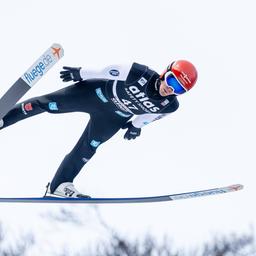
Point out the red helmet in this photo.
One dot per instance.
(184, 71)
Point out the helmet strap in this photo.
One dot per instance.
(169, 67)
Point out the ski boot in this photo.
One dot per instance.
(64, 190)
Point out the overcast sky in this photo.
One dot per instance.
(209, 142)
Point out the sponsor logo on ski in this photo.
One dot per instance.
(56, 52)
(43, 64)
(198, 194)
(39, 68)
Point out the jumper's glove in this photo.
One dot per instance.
(70, 74)
(132, 131)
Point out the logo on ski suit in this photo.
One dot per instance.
(140, 99)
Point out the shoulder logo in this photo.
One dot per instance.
(114, 72)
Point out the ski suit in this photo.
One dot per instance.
(111, 97)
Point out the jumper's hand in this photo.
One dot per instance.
(70, 74)
(132, 132)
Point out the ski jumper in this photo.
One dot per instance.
(111, 97)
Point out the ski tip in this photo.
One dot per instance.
(236, 187)
(57, 45)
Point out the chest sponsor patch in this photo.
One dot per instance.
(142, 81)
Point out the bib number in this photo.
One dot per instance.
(129, 104)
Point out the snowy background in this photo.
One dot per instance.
(209, 142)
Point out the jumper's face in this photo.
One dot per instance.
(165, 90)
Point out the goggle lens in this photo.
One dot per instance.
(172, 82)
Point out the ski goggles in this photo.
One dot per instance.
(172, 81)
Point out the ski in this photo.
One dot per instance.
(187, 195)
(43, 64)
